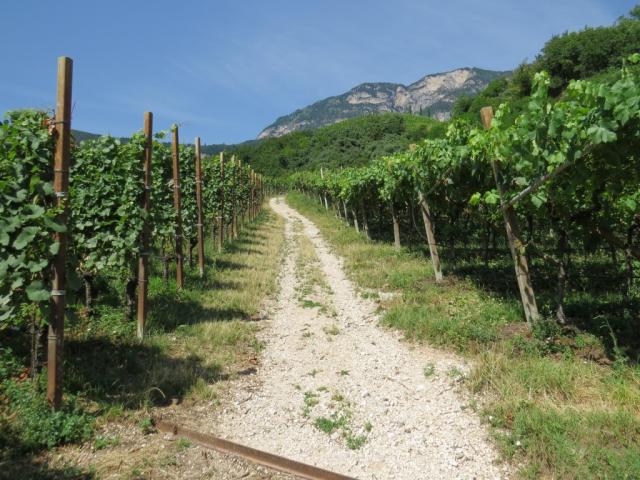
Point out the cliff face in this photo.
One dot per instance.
(432, 95)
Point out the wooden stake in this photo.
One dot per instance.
(354, 212)
(240, 189)
(143, 260)
(176, 205)
(253, 195)
(324, 193)
(431, 238)
(61, 187)
(234, 198)
(396, 226)
(200, 224)
(365, 221)
(513, 235)
(221, 212)
(250, 198)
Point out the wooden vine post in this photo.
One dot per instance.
(354, 212)
(396, 225)
(252, 196)
(241, 190)
(221, 212)
(513, 236)
(365, 222)
(431, 238)
(143, 260)
(200, 224)
(249, 191)
(257, 194)
(234, 199)
(346, 213)
(324, 192)
(176, 204)
(61, 186)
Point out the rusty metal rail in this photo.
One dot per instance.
(269, 460)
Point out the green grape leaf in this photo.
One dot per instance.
(24, 237)
(36, 292)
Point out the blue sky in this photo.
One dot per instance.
(224, 70)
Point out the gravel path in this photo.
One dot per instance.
(337, 391)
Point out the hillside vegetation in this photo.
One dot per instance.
(599, 51)
(212, 149)
(352, 142)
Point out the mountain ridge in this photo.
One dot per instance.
(435, 92)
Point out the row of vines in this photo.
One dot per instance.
(561, 179)
(120, 213)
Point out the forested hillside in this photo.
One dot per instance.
(597, 51)
(348, 143)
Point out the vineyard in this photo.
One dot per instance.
(134, 275)
(77, 219)
(110, 209)
(561, 178)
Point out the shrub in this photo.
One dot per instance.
(36, 425)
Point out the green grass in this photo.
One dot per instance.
(310, 400)
(330, 425)
(183, 444)
(354, 442)
(306, 303)
(341, 420)
(429, 370)
(554, 413)
(101, 442)
(33, 424)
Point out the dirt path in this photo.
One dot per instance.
(337, 391)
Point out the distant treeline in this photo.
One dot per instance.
(594, 51)
(213, 149)
(349, 143)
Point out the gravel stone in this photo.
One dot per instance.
(419, 427)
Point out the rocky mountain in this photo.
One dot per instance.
(432, 95)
